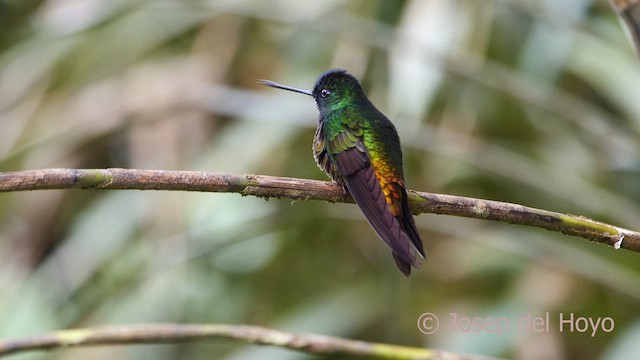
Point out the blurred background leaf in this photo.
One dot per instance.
(533, 102)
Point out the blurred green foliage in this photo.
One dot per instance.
(534, 102)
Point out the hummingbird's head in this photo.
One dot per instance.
(336, 88)
(333, 89)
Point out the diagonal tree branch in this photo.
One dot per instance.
(304, 189)
(628, 12)
(176, 333)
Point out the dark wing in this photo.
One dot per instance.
(355, 167)
(322, 158)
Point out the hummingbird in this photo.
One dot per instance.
(359, 148)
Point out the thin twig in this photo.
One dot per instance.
(628, 12)
(304, 189)
(177, 333)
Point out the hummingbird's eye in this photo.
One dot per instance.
(324, 93)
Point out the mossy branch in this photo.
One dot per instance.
(304, 189)
(178, 333)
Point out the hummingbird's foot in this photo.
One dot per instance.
(345, 191)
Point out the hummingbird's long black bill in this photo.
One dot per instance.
(284, 87)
